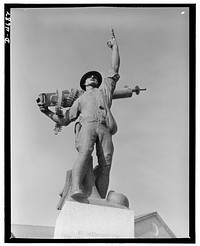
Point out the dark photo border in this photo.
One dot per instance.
(7, 130)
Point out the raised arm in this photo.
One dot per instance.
(115, 58)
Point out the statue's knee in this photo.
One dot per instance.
(106, 165)
(105, 160)
(85, 153)
(108, 159)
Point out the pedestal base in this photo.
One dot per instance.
(81, 220)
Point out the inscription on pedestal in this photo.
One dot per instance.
(79, 220)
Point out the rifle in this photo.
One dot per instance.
(66, 98)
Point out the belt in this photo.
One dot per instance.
(96, 118)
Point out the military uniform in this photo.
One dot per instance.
(93, 110)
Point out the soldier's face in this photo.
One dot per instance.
(92, 81)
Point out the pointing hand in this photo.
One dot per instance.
(112, 41)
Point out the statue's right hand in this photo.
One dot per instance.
(43, 109)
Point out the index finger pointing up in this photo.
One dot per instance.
(112, 33)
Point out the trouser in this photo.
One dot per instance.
(90, 134)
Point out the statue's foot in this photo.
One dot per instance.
(78, 194)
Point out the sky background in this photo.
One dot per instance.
(51, 49)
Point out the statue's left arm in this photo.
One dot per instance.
(115, 58)
(112, 78)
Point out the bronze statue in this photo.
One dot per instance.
(94, 128)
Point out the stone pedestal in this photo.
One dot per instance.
(81, 220)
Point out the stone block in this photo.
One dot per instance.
(81, 220)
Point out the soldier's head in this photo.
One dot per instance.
(92, 78)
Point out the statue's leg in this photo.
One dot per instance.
(105, 151)
(88, 181)
(85, 146)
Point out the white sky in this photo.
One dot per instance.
(52, 49)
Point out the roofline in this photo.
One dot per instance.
(166, 227)
(32, 225)
(159, 217)
(141, 217)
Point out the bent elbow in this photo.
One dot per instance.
(65, 122)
